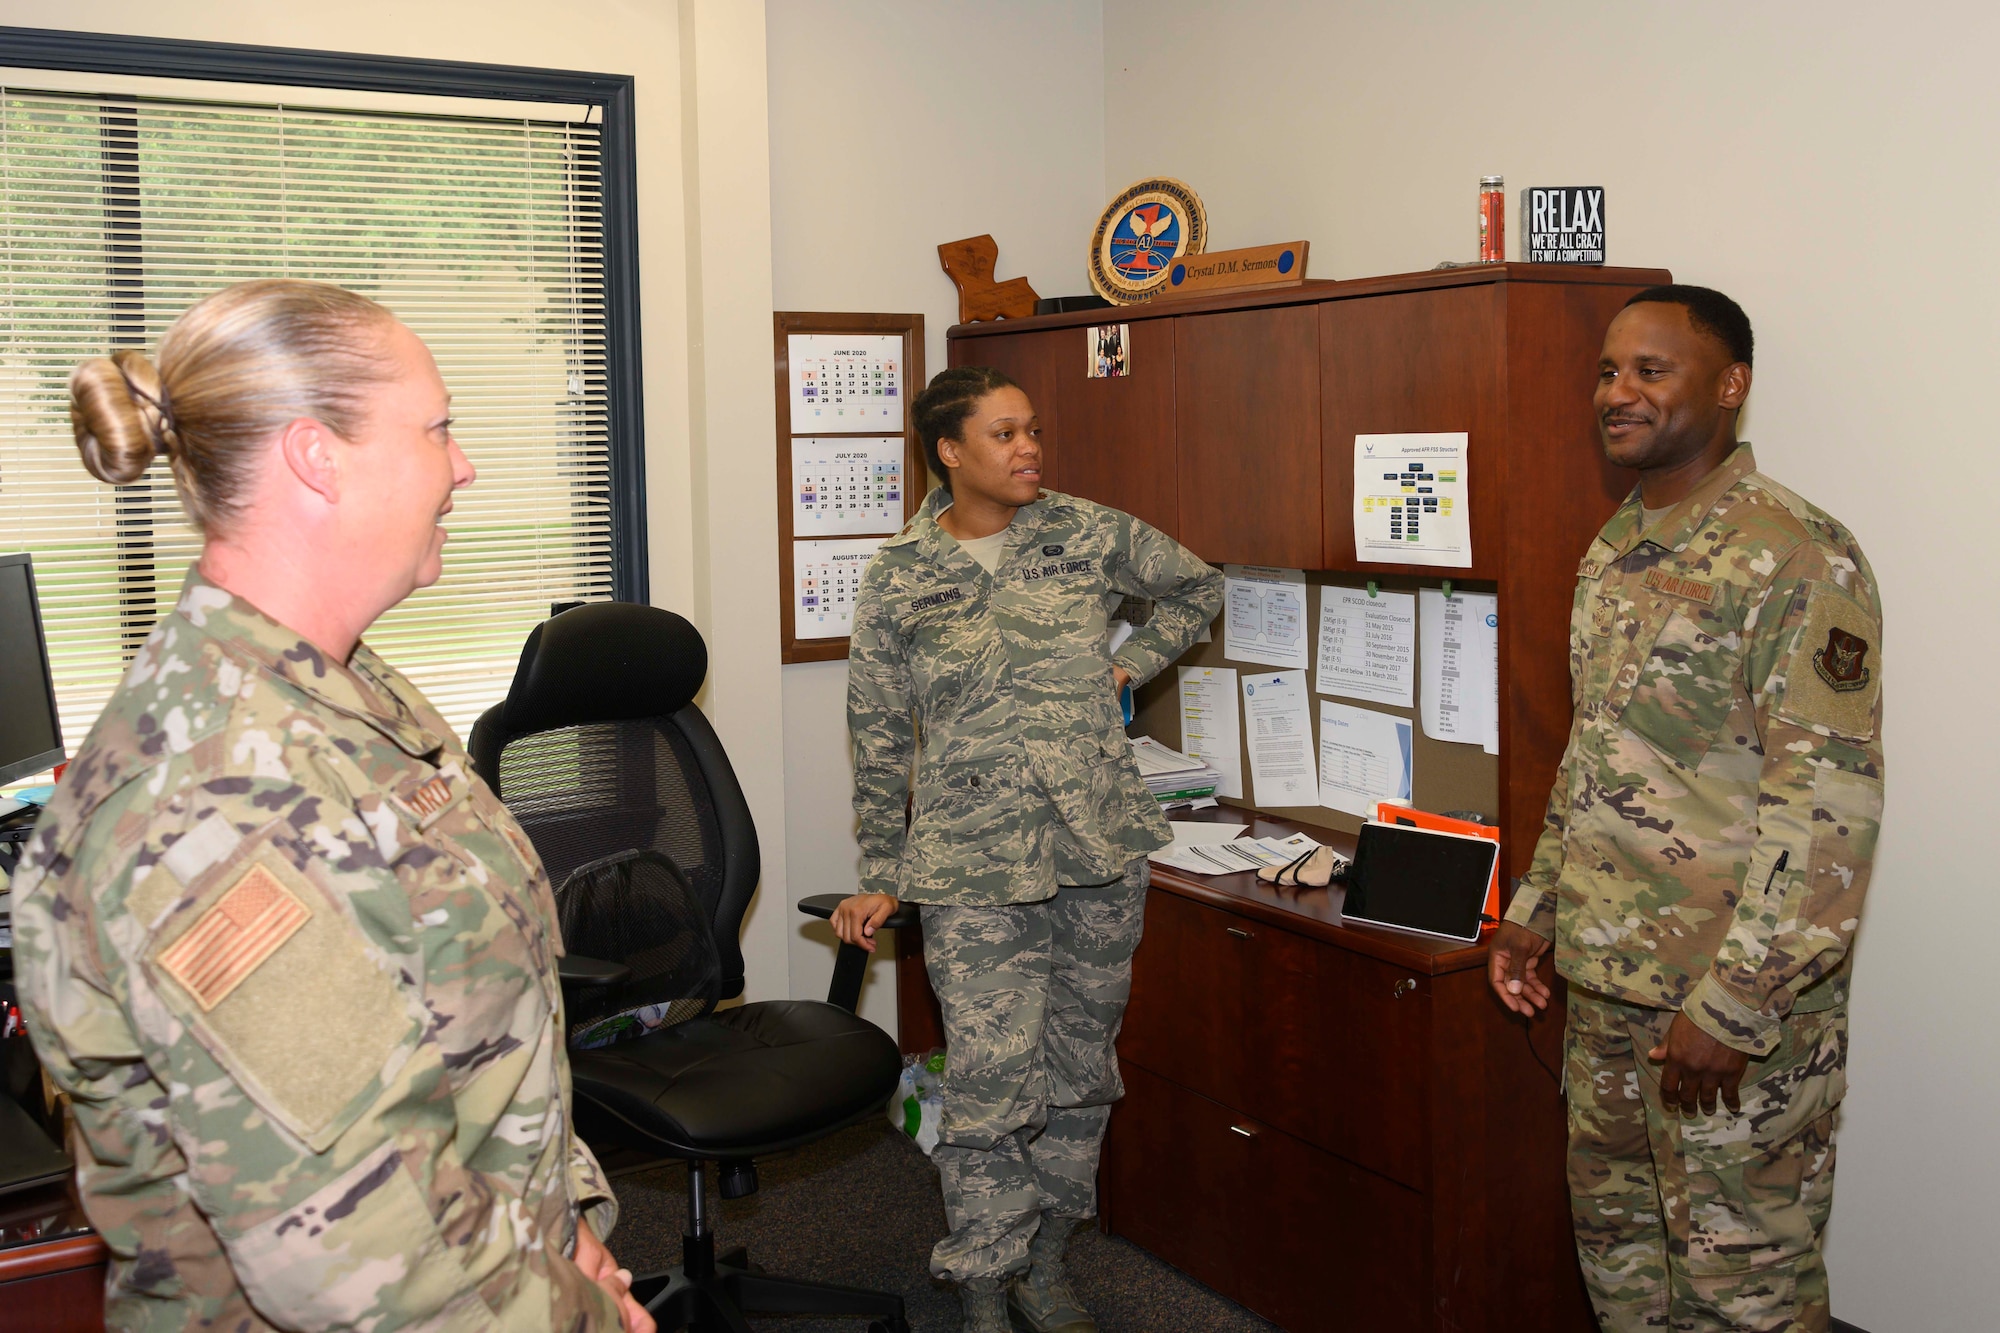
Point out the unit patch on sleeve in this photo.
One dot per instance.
(1834, 679)
(234, 937)
(1841, 664)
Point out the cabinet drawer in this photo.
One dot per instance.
(1328, 1045)
(1175, 1180)
(1186, 1017)
(1302, 1237)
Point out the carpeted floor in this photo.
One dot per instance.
(862, 1207)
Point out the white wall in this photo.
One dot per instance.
(896, 126)
(707, 440)
(1831, 166)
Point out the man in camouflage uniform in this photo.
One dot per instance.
(294, 966)
(1026, 845)
(1708, 845)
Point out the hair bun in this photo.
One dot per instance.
(120, 415)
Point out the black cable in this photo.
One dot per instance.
(1528, 1031)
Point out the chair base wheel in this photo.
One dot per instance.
(718, 1304)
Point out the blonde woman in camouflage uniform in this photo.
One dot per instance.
(292, 962)
(981, 662)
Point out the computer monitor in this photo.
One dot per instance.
(30, 735)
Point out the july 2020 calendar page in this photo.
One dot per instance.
(847, 486)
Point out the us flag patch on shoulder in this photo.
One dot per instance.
(234, 937)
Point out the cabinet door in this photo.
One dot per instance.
(1246, 399)
(1118, 432)
(1029, 359)
(1417, 362)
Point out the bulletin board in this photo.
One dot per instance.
(1445, 775)
(850, 463)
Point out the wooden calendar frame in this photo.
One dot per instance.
(915, 478)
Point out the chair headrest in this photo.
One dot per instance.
(605, 662)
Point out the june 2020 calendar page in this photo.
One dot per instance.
(846, 381)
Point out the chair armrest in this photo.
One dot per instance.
(576, 970)
(821, 905)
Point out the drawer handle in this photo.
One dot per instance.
(1239, 934)
(1405, 986)
(1245, 1130)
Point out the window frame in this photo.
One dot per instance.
(611, 94)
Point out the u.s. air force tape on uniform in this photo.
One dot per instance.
(1831, 683)
(282, 992)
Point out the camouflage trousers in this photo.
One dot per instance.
(1032, 995)
(1704, 1222)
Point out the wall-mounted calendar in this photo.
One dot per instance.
(850, 465)
(846, 485)
(846, 381)
(825, 577)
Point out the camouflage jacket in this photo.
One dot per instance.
(1711, 832)
(998, 689)
(295, 967)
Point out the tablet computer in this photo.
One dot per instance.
(1421, 880)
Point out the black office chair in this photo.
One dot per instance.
(625, 791)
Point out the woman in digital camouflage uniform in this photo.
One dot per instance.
(981, 661)
(293, 964)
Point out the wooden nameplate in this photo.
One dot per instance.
(969, 263)
(1259, 266)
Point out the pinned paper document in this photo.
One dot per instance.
(1459, 638)
(1211, 728)
(1364, 758)
(1412, 500)
(1368, 645)
(1264, 616)
(1277, 721)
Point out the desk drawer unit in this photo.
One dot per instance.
(1337, 1127)
(1303, 1237)
(1297, 1033)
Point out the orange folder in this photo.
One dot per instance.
(1386, 813)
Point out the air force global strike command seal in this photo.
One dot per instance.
(1139, 236)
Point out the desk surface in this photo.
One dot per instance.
(1313, 912)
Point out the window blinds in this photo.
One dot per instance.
(482, 234)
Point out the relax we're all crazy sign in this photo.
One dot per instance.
(1562, 224)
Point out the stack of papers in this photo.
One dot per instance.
(1171, 776)
(1220, 849)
